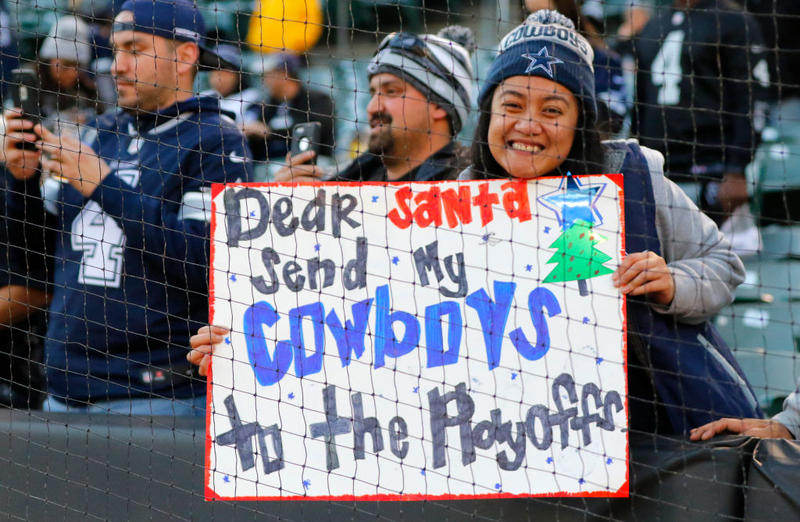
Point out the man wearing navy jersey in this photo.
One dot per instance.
(702, 71)
(131, 203)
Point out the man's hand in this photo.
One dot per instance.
(22, 164)
(645, 273)
(255, 129)
(72, 160)
(761, 428)
(203, 346)
(297, 169)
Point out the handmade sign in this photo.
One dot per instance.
(410, 341)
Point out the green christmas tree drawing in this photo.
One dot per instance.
(577, 257)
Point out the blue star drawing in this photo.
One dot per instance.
(291, 395)
(599, 360)
(528, 268)
(233, 278)
(513, 376)
(549, 460)
(422, 472)
(226, 479)
(306, 484)
(416, 389)
(571, 202)
(541, 60)
(585, 320)
(374, 199)
(395, 260)
(609, 461)
(498, 486)
(227, 340)
(253, 213)
(581, 481)
(317, 247)
(546, 230)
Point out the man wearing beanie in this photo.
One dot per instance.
(421, 96)
(131, 207)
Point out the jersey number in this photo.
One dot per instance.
(667, 73)
(102, 241)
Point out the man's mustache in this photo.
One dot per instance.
(383, 118)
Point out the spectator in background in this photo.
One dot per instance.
(68, 90)
(268, 125)
(701, 68)
(608, 77)
(9, 56)
(421, 95)
(228, 82)
(131, 206)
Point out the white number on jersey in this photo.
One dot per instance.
(667, 73)
(102, 241)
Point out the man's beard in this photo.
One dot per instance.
(383, 142)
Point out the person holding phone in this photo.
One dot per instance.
(421, 88)
(130, 202)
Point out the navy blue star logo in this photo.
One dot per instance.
(541, 60)
(571, 202)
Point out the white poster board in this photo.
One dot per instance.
(411, 341)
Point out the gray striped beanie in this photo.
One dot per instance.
(439, 66)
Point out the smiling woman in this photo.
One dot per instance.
(538, 117)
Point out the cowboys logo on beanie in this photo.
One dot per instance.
(438, 66)
(546, 45)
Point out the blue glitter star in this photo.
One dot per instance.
(528, 268)
(541, 60)
(252, 213)
(226, 479)
(513, 376)
(374, 199)
(317, 247)
(599, 360)
(498, 486)
(416, 389)
(549, 460)
(422, 472)
(395, 260)
(306, 484)
(581, 481)
(227, 340)
(571, 202)
(291, 395)
(585, 320)
(609, 461)
(233, 278)
(546, 230)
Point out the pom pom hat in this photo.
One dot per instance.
(437, 66)
(546, 45)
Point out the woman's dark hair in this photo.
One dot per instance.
(587, 155)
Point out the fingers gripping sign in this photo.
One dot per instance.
(203, 346)
(645, 273)
(72, 160)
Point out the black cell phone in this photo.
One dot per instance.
(25, 95)
(305, 137)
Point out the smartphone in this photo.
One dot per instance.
(305, 137)
(25, 95)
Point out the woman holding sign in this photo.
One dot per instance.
(538, 118)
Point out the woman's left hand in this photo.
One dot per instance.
(645, 273)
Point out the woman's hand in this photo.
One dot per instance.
(203, 346)
(645, 273)
(761, 428)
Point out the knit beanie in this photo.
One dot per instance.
(439, 66)
(546, 45)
